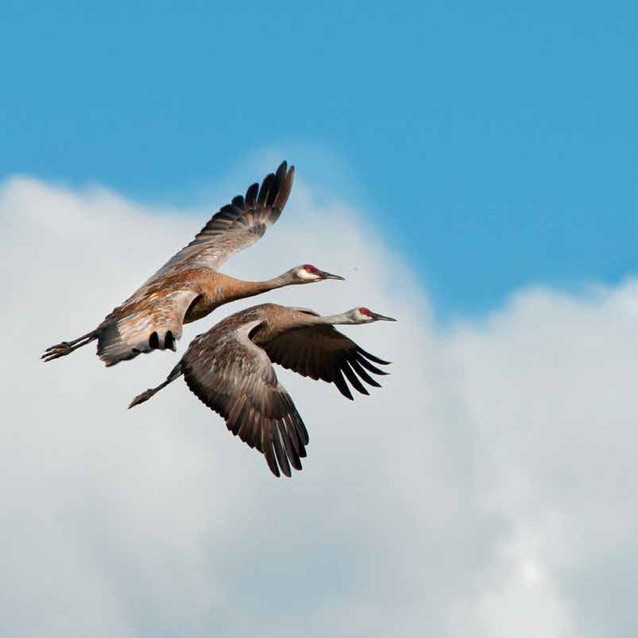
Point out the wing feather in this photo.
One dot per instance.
(235, 226)
(144, 323)
(235, 378)
(322, 352)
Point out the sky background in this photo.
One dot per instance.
(494, 143)
(471, 170)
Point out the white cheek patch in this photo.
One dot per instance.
(308, 276)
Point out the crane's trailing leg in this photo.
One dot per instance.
(176, 372)
(67, 347)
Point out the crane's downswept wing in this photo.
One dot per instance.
(322, 352)
(235, 378)
(236, 226)
(151, 321)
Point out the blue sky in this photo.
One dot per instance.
(495, 144)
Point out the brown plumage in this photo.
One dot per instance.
(230, 369)
(189, 287)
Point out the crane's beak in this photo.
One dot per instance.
(326, 275)
(378, 317)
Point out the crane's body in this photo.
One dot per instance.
(229, 368)
(189, 286)
(131, 327)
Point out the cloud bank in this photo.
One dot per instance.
(488, 489)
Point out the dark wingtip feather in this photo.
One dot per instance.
(251, 194)
(281, 170)
(284, 185)
(358, 368)
(269, 453)
(368, 366)
(342, 386)
(292, 446)
(280, 453)
(372, 357)
(269, 198)
(265, 188)
(353, 378)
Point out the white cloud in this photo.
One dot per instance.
(485, 490)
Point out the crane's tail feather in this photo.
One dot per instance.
(147, 394)
(67, 347)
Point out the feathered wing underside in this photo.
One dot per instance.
(235, 378)
(236, 226)
(322, 352)
(150, 321)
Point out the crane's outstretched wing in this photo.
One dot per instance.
(143, 323)
(321, 352)
(236, 226)
(235, 378)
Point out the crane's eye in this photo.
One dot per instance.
(310, 268)
(365, 311)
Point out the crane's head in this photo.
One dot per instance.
(365, 315)
(307, 274)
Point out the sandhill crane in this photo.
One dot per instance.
(189, 286)
(229, 368)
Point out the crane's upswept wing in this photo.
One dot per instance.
(322, 352)
(236, 226)
(235, 378)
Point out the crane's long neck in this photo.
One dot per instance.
(331, 320)
(252, 288)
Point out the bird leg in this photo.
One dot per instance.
(67, 347)
(176, 372)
